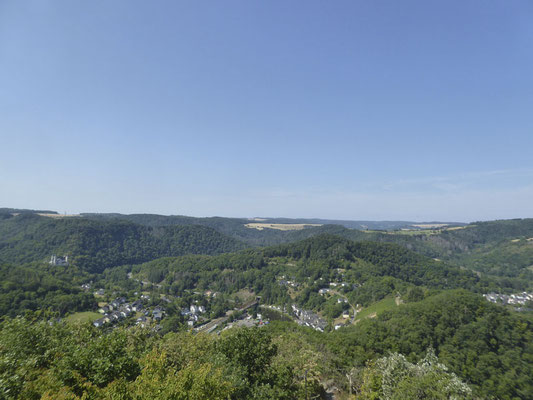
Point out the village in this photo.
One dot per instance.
(512, 299)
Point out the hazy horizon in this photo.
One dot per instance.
(409, 111)
(255, 217)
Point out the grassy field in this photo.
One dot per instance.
(410, 232)
(377, 308)
(424, 230)
(243, 295)
(281, 227)
(86, 316)
(58, 215)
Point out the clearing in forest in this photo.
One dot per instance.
(281, 227)
(85, 316)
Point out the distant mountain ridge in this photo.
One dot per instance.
(157, 219)
(361, 225)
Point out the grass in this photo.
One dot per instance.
(409, 232)
(281, 227)
(377, 308)
(86, 316)
(243, 295)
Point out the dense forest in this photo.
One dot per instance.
(460, 244)
(96, 245)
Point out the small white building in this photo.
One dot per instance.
(55, 260)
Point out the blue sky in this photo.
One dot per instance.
(410, 110)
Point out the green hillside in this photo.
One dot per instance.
(96, 245)
(462, 245)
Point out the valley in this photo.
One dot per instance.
(346, 296)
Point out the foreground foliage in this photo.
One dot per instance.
(59, 361)
(395, 378)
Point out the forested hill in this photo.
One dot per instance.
(232, 227)
(438, 242)
(379, 270)
(379, 259)
(502, 248)
(499, 248)
(96, 245)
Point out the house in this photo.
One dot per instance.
(99, 322)
(55, 260)
(115, 316)
(126, 308)
(323, 291)
(157, 314)
(197, 309)
(104, 310)
(137, 305)
(99, 292)
(117, 302)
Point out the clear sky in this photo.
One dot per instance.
(413, 110)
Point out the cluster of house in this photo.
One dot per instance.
(520, 298)
(277, 308)
(284, 282)
(309, 318)
(324, 291)
(119, 309)
(193, 313)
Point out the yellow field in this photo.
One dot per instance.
(518, 240)
(430, 226)
(455, 228)
(58, 215)
(281, 227)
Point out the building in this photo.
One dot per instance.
(99, 322)
(137, 305)
(55, 260)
